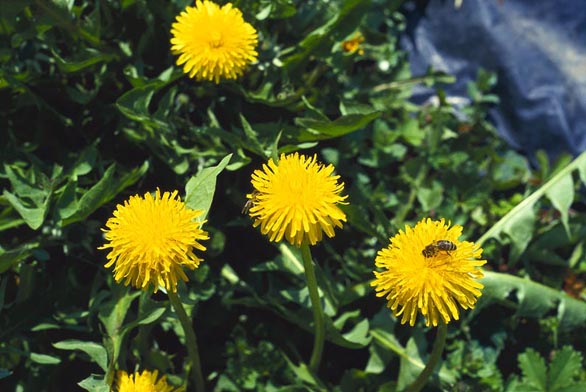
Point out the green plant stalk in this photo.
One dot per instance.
(402, 212)
(436, 354)
(318, 313)
(416, 80)
(190, 341)
(532, 199)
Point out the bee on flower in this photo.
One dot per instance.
(427, 270)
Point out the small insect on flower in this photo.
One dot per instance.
(430, 250)
(250, 202)
(436, 285)
(435, 247)
(446, 246)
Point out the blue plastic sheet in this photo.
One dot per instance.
(536, 48)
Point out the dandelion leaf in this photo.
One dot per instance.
(95, 351)
(94, 383)
(321, 129)
(533, 299)
(199, 190)
(520, 230)
(562, 197)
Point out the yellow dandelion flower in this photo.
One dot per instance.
(353, 44)
(427, 269)
(151, 239)
(296, 199)
(143, 382)
(213, 42)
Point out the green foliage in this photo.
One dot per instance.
(93, 110)
(199, 190)
(477, 367)
(518, 224)
(564, 373)
(531, 299)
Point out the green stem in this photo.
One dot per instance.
(436, 354)
(318, 314)
(416, 80)
(190, 341)
(403, 210)
(494, 231)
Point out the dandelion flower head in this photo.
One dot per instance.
(353, 44)
(296, 199)
(152, 239)
(421, 275)
(143, 382)
(213, 42)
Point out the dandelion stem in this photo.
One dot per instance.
(318, 314)
(436, 354)
(190, 341)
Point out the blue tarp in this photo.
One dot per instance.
(536, 48)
